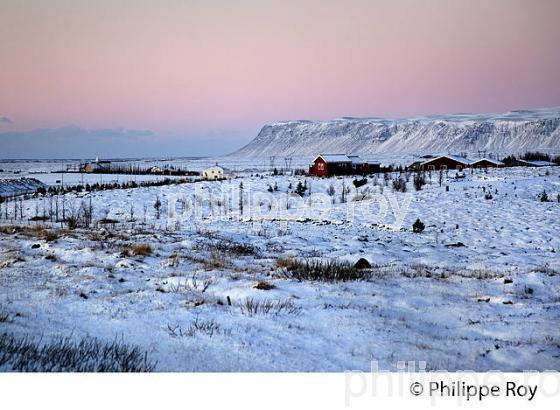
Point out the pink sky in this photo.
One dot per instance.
(188, 67)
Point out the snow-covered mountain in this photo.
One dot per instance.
(514, 131)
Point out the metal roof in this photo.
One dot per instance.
(538, 163)
(457, 158)
(356, 160)
(215, 168)
(493, 161)
(335, 158)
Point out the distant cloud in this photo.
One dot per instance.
(72, 141)
(75, 142)
(5, 120)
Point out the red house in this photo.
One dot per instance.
(487, 163)
(330, 164)
(340, 164)
(445, 162)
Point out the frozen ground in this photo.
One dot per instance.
(479, 289)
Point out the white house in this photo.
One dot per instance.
(213, 173)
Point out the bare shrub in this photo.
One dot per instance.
(484, 274)
(234, 248)
(418, 226)
(419, 181)
(547, 270)
(327, 271)
(399, 185)
(10, 229)
(96, 237)
(41, 232)
(417, 270)
(216, 261)
(63, 354)
(174, 260)
(50, 235)
(263, 285)
(141, 249)
(72, 221)
(227, 246)
(252, 307)
(206, 327)
(285, 262)
(207, 233)
(194, 285)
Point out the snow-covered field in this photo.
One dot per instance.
(478, 289)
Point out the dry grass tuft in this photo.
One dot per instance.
(252, 307)
(141, 249)
(325, 271)
(36, 231)
(263, 285)
(227, 247)
(216, 261)
(205, 327)
(9, 229)
(285, 262)
(65, 354)
(48, 235)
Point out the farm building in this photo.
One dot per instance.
(445, 162)
(213, 173)
(535, 163)
(96, 166)
(415, 166)
(341, 164)
(487, 163)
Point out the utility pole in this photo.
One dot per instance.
(288, 163)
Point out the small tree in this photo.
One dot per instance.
(85, 214)
(157, 207)
(535, 156)
(343, 193)
(241, 198)
(419, 181)
(399, 185)
(418, 226)
(330, 190)
(359, 182)
(300, 189)
(132, 213)
(543, 196)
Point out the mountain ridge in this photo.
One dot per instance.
(512, 131)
